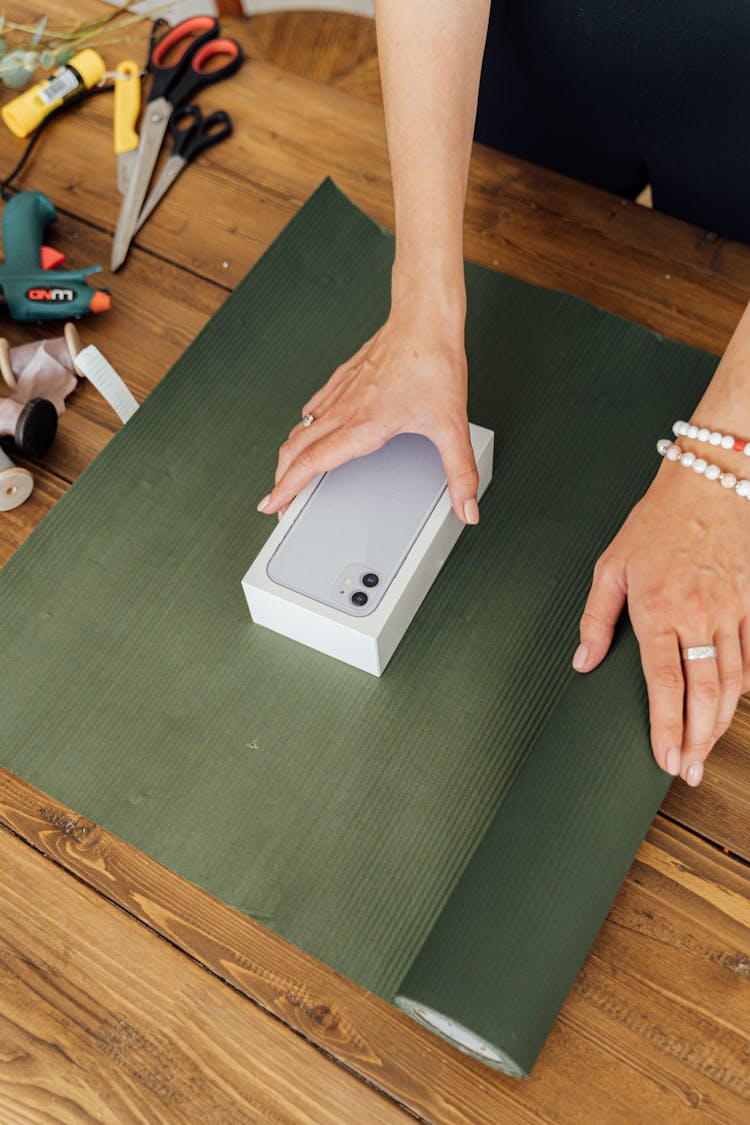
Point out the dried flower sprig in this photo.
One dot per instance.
(25, 48)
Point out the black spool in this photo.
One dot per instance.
(36, 427)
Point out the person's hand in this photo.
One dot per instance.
(681, 559)
(410, 377)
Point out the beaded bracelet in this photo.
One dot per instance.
(699, 465)
(713, 437)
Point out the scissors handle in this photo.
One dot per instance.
(200, 134)
(186, 38)
(199, 72)
(157, 27)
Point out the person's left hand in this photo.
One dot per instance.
(682, 561)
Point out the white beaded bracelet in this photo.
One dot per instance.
(699, 465)
(713, 437)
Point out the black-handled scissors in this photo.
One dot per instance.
(181, 62)
(196, 42)
(191, 133)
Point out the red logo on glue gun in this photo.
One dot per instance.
(58, 294)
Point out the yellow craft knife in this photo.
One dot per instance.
(126, 111)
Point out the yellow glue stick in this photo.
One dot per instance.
(25, 112)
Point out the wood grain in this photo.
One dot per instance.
(229, 7)
(719, 808)
(101, 1020)
(658, 1017)
(324, 46)
(17, 525)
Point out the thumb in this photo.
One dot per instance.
(461, 470)
(603, 607)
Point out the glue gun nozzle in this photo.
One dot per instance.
(101, 300)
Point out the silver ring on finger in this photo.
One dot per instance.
(699, 652)
(308, 420)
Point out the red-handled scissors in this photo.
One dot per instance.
(195, 46)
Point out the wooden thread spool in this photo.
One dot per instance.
(16, 484)
(6, 369)
(72, 342)
(32, 426)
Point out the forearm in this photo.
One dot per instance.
(725, 404)
(430, 59)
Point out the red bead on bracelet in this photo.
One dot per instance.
(713, 437)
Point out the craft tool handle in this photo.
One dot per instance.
(25, 218)
(201, 134)
(183, 124)
(31, 292)
(127, 105)
(28, 110)
(186, 38)
(52, 295)
(201, 72)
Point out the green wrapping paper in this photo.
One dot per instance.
(452, 835)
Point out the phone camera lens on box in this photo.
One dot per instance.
(370, 580)
(359, 597)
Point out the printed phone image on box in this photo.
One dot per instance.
(347, 567)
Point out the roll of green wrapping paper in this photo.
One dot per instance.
(452, 835)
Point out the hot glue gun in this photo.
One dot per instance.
(33, 287)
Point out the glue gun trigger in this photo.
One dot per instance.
(51, 258)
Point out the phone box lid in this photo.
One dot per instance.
(366, 642)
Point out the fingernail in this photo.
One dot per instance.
(673, 760)
(580, 657)
(694, 774)
(264, 503)
(471, 511)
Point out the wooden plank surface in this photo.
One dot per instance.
(326, 46)
(720, 809)
(657, 1025)
(101, 1020)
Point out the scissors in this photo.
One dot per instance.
(187, 141)
(197, 44)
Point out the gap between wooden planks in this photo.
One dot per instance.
(656, 1022)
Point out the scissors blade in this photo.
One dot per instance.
(125, 165)
(152, 134)
(169, 174)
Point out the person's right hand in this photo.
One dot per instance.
(410, 377)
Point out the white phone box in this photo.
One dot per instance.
(349, 564)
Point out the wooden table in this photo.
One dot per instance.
(126, 994)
